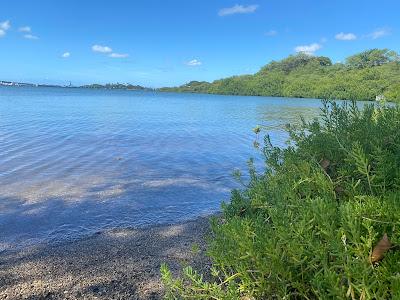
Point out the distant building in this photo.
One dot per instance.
(6, 83)
(11, 83)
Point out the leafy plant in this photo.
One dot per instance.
(322, 221)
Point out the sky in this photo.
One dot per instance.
(170, 42)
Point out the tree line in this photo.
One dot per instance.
(369, 75)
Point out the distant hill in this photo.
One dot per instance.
(370, 75)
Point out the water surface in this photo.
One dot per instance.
(77, 161)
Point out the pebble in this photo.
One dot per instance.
(104, 266)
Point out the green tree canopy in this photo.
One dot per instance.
(294, 62)
(364, 76)
(372, 58)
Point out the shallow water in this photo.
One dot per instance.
(77, 161)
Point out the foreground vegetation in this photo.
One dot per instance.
(322, 222)
(364, 76)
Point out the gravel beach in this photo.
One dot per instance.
(115, 264)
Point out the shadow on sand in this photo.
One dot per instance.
(115, 264)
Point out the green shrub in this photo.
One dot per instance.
(306, 227)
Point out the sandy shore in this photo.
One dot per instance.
(117, 264)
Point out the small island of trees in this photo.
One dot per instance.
(115, 86)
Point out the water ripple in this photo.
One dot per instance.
(73, 162)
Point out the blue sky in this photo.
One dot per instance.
(163, 43)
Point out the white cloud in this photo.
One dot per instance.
(345, 36)
(271, 33)
(25, 29)
(308, 49)
(66, 55)
(5, 25)
(31, 37)
(237, 9)
(109, 51)
(378, 33)
(101, 49)
(194, 63)
(118, 55)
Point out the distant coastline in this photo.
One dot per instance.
(117, 86)
(108, 86)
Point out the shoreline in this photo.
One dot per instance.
(114, 264)
(157, 90)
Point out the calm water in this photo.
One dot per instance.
(75, 161)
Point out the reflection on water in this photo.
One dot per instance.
(74, 161)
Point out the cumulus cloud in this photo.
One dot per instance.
(194, 63)
(271, 33)
(345, 36)
(109, 51)
(119, 55)
(101, 49)
(237, 9)
(308, 49)
(378, 33)
(31, 37)
(5, 25)
(66, 55)
(25, 29)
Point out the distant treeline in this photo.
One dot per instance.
(370, 75)
(116, 86)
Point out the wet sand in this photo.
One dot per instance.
(116, 264)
